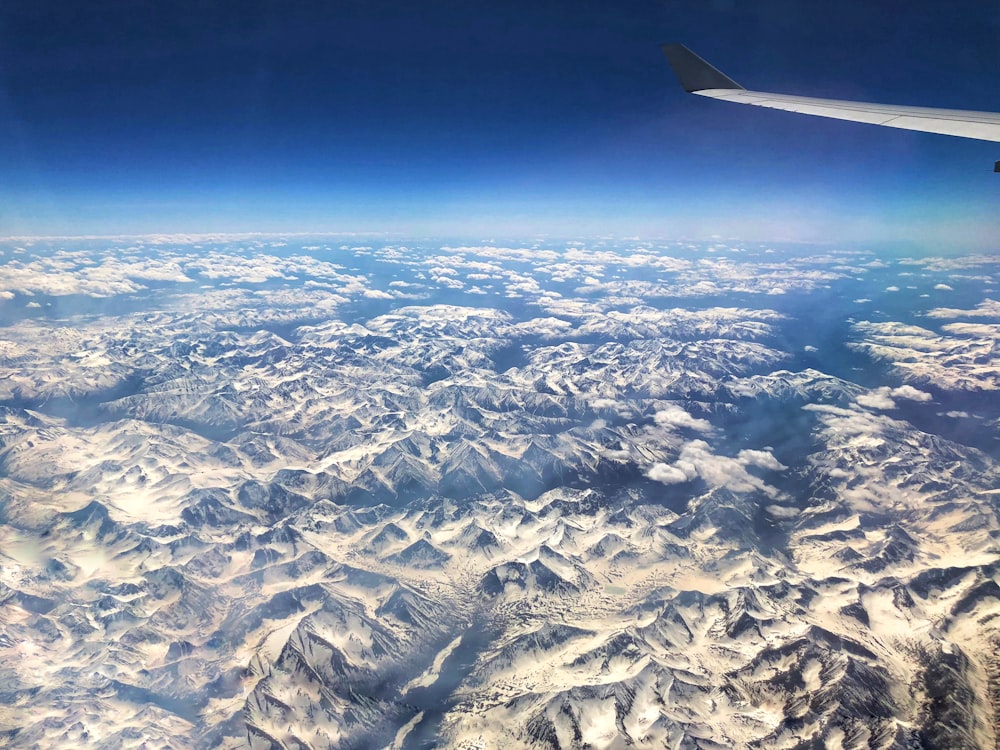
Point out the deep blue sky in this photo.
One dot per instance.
(489, 118)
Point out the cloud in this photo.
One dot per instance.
(696, 459)
(627, 272)
(123, 270)
(854, 426)
(763, 459)
(668, 474)
(877, 399)
(892, 288)
(882, 398)
(675, 416)
(943, 288)
(911, 393)
(954, 263)
(154, 270)
(449, 282)
(60, 277)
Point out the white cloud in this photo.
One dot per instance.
(892, 288)
(849, 424)
(604, 403)
(763, 459)
(675, 416)
(954, 263)
(154, 270)
(449, 282)
(877, 399)
(61, 277)
(667, 474)
(911, 393)
(943, 288)
(696, 459)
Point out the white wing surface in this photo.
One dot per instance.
(699, 77)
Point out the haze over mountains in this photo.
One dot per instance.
(290, 492)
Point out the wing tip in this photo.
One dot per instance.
(694, 73)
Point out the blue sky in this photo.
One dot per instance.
(489, 118)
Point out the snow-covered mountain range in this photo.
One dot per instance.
(274, 494)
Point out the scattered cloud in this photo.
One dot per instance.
(675, 416)
(697, 460)
(878, 399)
(882, 398)
(669, 474)
(911, 393)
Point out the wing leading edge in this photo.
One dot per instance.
(701, 78)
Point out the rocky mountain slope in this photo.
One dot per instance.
(267, 516)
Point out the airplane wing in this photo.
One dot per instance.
(699, 77)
